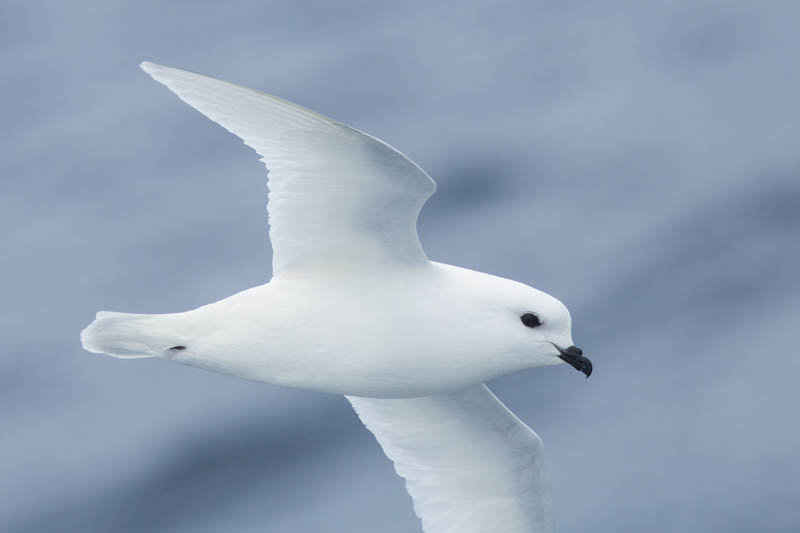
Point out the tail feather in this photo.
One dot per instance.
(129, 335)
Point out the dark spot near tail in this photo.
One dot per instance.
(177, 348)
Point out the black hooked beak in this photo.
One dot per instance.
(574, 356)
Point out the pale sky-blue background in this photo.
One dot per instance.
(638, 160)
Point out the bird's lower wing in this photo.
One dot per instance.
(470, 464)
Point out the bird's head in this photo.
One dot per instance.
(547, 332)
(521, 327)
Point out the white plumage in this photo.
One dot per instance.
(354, 307)
(470, 465)
(333, 190)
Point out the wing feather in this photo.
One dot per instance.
(336, 194)
(470, 465)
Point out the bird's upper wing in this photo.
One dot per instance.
(470, 465)
(336, 195)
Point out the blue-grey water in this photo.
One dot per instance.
(638, 160)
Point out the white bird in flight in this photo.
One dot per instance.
(355, 307)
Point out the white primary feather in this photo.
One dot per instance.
(470, 465)
(336, 195)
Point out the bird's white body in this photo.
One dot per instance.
(404, 332)
(356, 308)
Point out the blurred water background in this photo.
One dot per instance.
(638, 160)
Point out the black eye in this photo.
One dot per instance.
(530, 320)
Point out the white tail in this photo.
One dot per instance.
(132, 335)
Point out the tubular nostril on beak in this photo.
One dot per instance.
(574, 356)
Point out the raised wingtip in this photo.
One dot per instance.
(157, 71)
(170, 75)
(152, 68)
